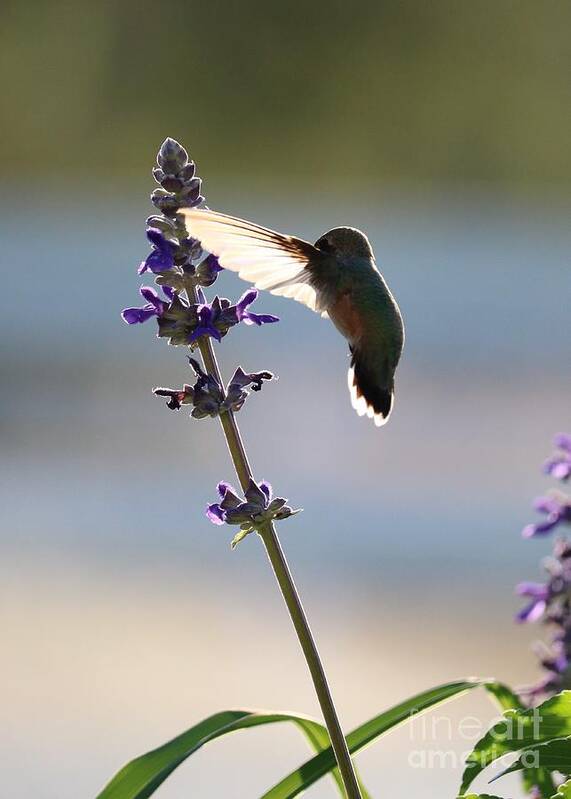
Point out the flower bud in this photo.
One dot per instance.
(165, 202)
(172, 156)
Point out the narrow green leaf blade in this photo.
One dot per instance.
(518, 730)
(140, 778)
(319, 740)
(311, 771)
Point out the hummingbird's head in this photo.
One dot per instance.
(344, 242)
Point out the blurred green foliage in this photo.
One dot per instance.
(391, 89)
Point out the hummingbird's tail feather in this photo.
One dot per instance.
(370, 394)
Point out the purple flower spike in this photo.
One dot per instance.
(559, 466)
(162, 256)
(248, 317)
(550, 603)
(154, 306)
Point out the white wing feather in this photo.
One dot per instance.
(264, 257)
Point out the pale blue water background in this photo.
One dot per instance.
(124, 615)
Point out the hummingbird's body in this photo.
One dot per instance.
(337, 277)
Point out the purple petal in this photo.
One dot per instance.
(528, 531)
(534, 691)
(546, 505)
(158, 240)
(205, 327)
(250, 318)
(159, 261)
(559, 466)
(535, 590)
(161, 257)
(236, 511)
(246, 299)
(229, 499)
(240, 378)
(256, 494)
(206, 314)
(196, 334)
(531, 530)
(266, 488)
(561, 470)
(134, 316)
(558, 661)
(215, 513)
(151, 296)
(148, 293)
(561, 664)
(203, 330)
(563, 441)
(154, 236)
(533, 611)
(223, 487)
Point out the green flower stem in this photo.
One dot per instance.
(305, 636)
(289, 591)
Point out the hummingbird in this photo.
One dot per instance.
(336, 277)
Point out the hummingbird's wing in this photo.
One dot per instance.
(268, 259)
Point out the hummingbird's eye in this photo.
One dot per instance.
(324, 244)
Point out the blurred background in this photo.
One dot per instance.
(442, 129)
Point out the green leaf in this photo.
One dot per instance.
(240, 536)
(141, 777)
(504, 696)
(508, 700)
(477, 796)
(564, 791)
(518, 730)
(553, 756)
(304, 776)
